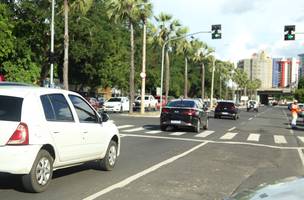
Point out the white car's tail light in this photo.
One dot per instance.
(20, 136)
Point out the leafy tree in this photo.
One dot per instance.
(167, 27)
(299, 95)
(77, 5)
(126, 11)
(301, 83)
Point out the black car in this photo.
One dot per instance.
(226, 109)
(184, 113)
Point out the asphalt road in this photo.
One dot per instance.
(232, 156)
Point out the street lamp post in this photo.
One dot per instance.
(52, 46)
(163, 61)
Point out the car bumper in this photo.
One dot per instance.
(225, 114)
(180, 123)
(114, 109)
(18, 159)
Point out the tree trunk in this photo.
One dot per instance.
(143, 79)
(132, 70)
(220, 96)
(186, 79)
(66, 47)
(203, 81)
(167, 79)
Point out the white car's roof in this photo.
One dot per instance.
(23, 91)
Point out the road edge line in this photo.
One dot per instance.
(301, 155)
(134, 177)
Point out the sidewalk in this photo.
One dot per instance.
(155, 114)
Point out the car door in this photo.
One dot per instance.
(126, 104)
(61, 124)
(91, 128)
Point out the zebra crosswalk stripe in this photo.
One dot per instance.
(125, 126)
(279, 139)
(204, 134)
(134, 130)
(153, 132)
(301, 138)
(228, 136)
(253, 137)
(177, 133)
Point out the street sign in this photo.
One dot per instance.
(143, 75)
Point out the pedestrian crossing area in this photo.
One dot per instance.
(213, 135)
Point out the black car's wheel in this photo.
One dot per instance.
(121, 109)
(197, 128)
(41, 173)
(235, 117)
(163, 127)
(205, 127)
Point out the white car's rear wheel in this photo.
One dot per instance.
(41, 173)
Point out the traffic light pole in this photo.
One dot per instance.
(163, 60)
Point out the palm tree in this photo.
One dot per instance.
(184, 48)
(241, 79)
(201, 55)
(76, 5)
(166, 29)
(145, 11)
(126, 10)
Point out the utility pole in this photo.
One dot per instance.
(52, 46)
(212, 83)
(143, 73)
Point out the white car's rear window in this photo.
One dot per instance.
(10, 108)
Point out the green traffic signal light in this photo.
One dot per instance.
(216, 31)
(289, 32)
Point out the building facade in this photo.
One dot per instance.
(301, 65)
(259, 67)
(285, 72)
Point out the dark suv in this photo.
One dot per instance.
(226, 109)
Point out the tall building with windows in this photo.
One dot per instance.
(285, 72)
(259, 66)
(301, 65)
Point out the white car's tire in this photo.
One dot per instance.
(41, 173)
(109, 161)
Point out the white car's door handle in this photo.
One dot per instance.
(55, 132)
(85, 131)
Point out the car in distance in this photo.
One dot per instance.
(94, 102)
(150, 103)
(184, 113)
(45, 129)
(117, 104)
(226, 109)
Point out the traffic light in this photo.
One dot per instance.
(289, 32)
(216, 31)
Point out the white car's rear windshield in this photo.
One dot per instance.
(10, 108)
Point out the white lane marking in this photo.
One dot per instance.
(301, 138)
(130, 179)
(213, 141)
(250, 118)
(228, 136)
(153, 132)
(231, 129)
(125, 126)
(253, 137)
(300, 151)
(177, 133)
(279, 139)
(133, 130)
(204, 134)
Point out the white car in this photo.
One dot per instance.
(150, 103)
(47, 129)
(117, 104)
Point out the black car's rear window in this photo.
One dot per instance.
(183, 104)
(10, 108)
(225, 104)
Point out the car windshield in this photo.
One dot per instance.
(114, 100)
(225, 105)
(182, 104)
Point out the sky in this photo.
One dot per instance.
(248, 26)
